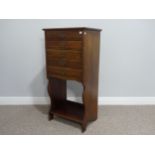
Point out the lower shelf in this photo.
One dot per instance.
(69, 110)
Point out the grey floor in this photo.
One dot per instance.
(112, 120)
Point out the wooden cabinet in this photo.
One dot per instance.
(73, 54)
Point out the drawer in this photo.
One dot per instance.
(63, 35)
(67, 54)
(65, 63)
(69, 59)
(64, 73)
(64, 45)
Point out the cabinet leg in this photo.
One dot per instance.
(84, 126)
(50, 116)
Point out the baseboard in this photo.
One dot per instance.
(126, 100)
(101, 100)
(24, 100)
(121, 100)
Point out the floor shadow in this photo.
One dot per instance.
(44, 109)
(39, 92)
(67, 122)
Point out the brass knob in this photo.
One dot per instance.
(80, 32)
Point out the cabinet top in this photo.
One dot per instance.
(72, 28)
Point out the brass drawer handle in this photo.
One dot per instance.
(80, 32)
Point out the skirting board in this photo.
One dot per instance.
(101, 100)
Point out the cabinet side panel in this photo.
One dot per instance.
(91, 68)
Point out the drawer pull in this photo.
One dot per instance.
(85, 33)
(80, 32)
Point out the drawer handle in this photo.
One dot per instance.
(80, 32)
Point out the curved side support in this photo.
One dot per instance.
(57, 93)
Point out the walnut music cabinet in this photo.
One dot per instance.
(73, 54)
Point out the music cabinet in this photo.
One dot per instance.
(73, 54)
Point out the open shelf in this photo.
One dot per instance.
(70, 110)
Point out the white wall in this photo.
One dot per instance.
(127, 57)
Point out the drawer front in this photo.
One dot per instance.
(64, 73)
(69, 59)
(63, 35)
(64, 45)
